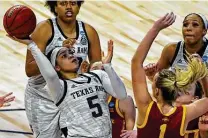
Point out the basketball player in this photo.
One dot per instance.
(203, 126)
(122, 112)
(42, 114)
(194, 30)
(161, 119)
(6, 99)
(81, 99)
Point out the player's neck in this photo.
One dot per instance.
(164, 107)
(191, 49)
(69, 27)
(69, 75)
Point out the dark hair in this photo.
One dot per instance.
(198, 16)
(53, 4)
(198, 90)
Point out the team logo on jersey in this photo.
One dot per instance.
(205, 58)
(95, 79)
(83, 40)
(165, 120)
(82, 32)
(73, 86)
(111, 104)
(179, 61)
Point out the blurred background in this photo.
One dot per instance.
(125, 22)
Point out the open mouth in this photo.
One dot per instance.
(69, 13)
(74, 60)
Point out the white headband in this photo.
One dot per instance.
(204, 20)
(54, 55)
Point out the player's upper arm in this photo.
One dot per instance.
(196, 109)
(166, 56)
(127, 107)
(94, 54)
(40, 36)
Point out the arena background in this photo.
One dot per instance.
(125, 22)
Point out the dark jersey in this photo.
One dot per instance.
(159, 125)
(117, 118)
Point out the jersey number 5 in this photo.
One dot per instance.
(95, 105)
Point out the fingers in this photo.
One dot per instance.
(6, 104)
(68, 42)
(8, 94)
(9, 99)
(170, 18)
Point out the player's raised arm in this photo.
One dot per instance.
(139, 83)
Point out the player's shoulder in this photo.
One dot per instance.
(171, 46)
(44, 25)
(89, 29)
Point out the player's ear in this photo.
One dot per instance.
(57, 68)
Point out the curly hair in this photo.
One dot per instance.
(52, 4)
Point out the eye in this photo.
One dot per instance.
(63, 56)
(63, 3)
(195, 24)
(73, 3)
(185, 24)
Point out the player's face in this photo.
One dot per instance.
(66, 61)
(193, 30)
(67, 10)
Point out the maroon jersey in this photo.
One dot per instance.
(159, 125)
(192, 134)
(117, 118)
(192, 130)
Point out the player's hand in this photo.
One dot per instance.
(128, 134)
(23, 41)
(150, 69)
(203, 123)
(165, 21)
(97, 66)
(109, 56)
(84, 67)
(6, 99)
(69, 43)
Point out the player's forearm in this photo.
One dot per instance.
(117, 85)
(47, 71)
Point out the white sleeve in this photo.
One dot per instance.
(112, 83)
(48, 73)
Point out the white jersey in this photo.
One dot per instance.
(82, 101)
(84, 110)
(179, 58)
(81, 48)
(42, 113)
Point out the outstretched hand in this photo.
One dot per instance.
(109, 56)
(6, 99)
(23, 41)
(165, 21)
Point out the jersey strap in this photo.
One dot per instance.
(65, 90)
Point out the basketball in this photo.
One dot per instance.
(19, 21)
